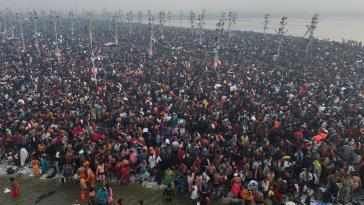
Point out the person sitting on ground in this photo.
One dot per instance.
(168, 193)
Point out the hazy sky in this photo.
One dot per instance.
(333, 7)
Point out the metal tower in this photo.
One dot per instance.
(71, 14)
(219, 30)
(162, 22)
(280, 32)
(19, 16)
(180, 20)
(140, 20)
(116, 21)
(266, 22)
(312, 27)
(90, 28)
(34, 19)
(130, 19)
(231, 22)
(192, 20)
(201, 24)
(151, 30)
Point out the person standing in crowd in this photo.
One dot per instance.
(194, 194)
(266, 129)
(35, 167)
(15, 188)
(92, 196)
(102, 196)
(168, 194)
(204, 198)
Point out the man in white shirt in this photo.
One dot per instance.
(194, 194)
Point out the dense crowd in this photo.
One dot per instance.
(281, 130)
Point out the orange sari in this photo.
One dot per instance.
(35, 167)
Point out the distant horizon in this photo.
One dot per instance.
(246, 8)
(251, 13)
(338, 21)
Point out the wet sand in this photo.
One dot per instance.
(32, 188)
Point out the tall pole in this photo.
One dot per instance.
(140, 19)
(192, 20)
(129, 18)
(5, 30)
(90, 29)
(43, 14)
(1, 21)
(35, 19)
(231, 22)
(219, 30)
(201, 24)
(162, 22)
(266, 22)
(71, 14)
(169, 18)
(12, 25)
(310, 31)
(55, 22)
(151, 30)
(19, 16)
(312, 27)
(116, 27)
(180, 20)
(281, 31)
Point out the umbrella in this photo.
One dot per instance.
(217, 85)
(286, 157)
(320, 137)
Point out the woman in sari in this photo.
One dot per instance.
(35, 167)
(83, 182)
(15, 188)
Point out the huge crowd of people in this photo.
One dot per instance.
(256, 126)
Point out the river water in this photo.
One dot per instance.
(67, 194)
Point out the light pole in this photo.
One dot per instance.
(231, 22)
(266, 22)
(116, 20)
(310, 31)
(280, 32)
(180, 20)
(140, 19)
(130, 18)
(34, 18)
(201, 24)
(192, 20)
(312, 27)
(151, 30)
(19, 17)
(57, 53)
(162, 22)
(71, 14)
(219, 30)
(90, 29)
